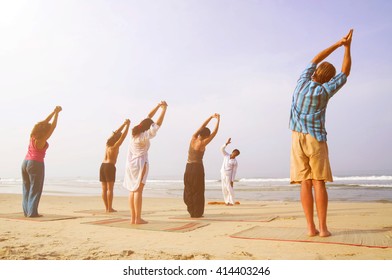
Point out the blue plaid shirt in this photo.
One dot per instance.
(310, 101)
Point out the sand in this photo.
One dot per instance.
(73, 239)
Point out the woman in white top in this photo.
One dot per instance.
(137, 161)
(228, 172)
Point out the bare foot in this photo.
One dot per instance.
(111, 210)
(312, 233)
(35, 216)
(141, 221)
(229, 204)
(325, 233)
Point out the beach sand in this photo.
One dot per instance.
(73, 239)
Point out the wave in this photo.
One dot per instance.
(10, 180)
(264, 180)
(336, 178)
(370, 185)
(359, 180)
(364, 178)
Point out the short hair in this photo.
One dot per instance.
(205, 132)
(326, 71)
(237, 151)
(143, 126)
(114, 138)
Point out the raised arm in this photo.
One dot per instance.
(213, 133)
(126, 124)
(223, 148)
(55, 115)
(325, 53)
(346, 66)
(196, 134)
(48, 118)
(163, 105)
(153, 111)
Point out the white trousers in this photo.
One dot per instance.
(227, 189)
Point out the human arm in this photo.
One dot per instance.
(48, 118)
(126, 124)
(233, 173)
(325, 53)
(53, 125)
(214, 132)
(122, 126)
(196, 134)
(163, 105)
(346, 66)
(153, 111)
(223, 150)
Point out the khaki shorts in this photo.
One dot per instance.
(309, 159)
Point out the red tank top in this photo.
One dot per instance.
(34, 153)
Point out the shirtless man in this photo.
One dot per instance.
(107, 173)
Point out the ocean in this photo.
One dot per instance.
(349, 188)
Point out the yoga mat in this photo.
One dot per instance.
(44, 218)
(372, 238)
(229, 218)
(221, 203)
(152, 225)
(103, 212)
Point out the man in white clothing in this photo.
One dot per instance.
(228, 171)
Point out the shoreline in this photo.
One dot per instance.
(73, 239)
(243, 191)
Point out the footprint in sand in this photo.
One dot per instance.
(127, 253)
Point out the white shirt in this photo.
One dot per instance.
(137, 158)
(141, 143)
(229, 166)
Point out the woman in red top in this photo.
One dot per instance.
(33, 168)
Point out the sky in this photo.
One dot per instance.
(105, 61)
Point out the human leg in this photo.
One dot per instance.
(138, 205)
(321, 196)
(25, 187)
(104, 194)
(36, 171)
(300, 173)
(199, 189)
(109, 197)
(138, 198)
(230, 195)
(189, 188)
(107, 176)
(224, 189)
(321, 173)
(307, 206)
(132, 206)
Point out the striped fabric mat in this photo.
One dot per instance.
(152, 225)
(229, 218)
(373, 238)
(44, 218)
(95, 212)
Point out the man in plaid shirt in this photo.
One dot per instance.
(309, 162)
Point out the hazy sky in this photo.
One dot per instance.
(104, 61)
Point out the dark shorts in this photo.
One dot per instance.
(107, 172)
